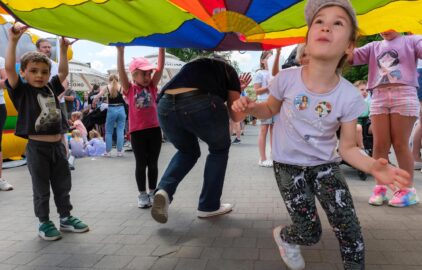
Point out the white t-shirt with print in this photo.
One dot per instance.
(305, 130)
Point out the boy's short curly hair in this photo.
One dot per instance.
(34, 57)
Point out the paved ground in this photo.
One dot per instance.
(125, 237)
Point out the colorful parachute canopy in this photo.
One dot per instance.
(203, 24)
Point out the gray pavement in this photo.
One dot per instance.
(123, 236)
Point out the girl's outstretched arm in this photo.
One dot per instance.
(276, 63)
(63, 61)
(86, 82)
(262, 110)
(380, 169)
(124, 80)
(160, 68)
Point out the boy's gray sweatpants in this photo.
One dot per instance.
(48, 165)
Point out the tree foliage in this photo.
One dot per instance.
(356, 73)
(186, 55)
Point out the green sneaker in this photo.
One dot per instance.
(48, 231)
(73, 224)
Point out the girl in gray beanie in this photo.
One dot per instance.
(313, 101)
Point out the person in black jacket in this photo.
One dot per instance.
(191, 106)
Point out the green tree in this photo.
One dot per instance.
(235, 65)
(356, 73)
(186, 55)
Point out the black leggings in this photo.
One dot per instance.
(146, 145)
(3, 115)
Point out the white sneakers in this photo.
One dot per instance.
(160, 206)
(290, 253)
(143, 200)
(224, 208)
(5, 186)
(266, 163)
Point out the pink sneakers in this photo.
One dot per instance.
(378, 195)
(404, 197)
(401, 198)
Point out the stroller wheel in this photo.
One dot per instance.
(362, 175)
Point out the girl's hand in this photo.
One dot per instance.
(389, 175)
(245, 79)
(16, 31)
(243, 104)
(64, 44)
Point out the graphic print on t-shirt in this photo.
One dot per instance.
(388, 64)
(142, 98)
(323, 108)
(50, 116)
(301, 102)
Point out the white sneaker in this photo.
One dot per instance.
(268, 163)
(224, 208)
(5, 186)
(159, 211)
(106, 154)
(290, 253)
(151, 196)
(143, 200)
(120, 154)
(261, 163)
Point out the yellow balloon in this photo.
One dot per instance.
(69, 53)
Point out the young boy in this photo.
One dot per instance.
(42, 123)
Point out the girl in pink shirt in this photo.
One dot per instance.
(144, 129)
(394, 104)
(76, 118)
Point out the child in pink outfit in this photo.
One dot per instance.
(77, 124)
(144, 128)
(394, 107)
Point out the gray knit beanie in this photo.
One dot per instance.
(313, 6)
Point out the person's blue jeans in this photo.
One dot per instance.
(116, 116)
(184, 121)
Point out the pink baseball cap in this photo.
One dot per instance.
(140, 63)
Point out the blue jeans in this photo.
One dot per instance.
(184, 121)
(116, 116)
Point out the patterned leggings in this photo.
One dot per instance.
(298, 186)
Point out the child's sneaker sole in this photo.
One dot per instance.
(49, 238)
(144, 206)
(72, 229)
(377, 203)
(404, 204)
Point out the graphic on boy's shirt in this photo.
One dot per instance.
(388, 67)
(323, 108)
(301, 102)
(50, 116)
(143, 98)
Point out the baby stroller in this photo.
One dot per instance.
(367, 143)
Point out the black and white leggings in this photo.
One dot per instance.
(299, 186)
